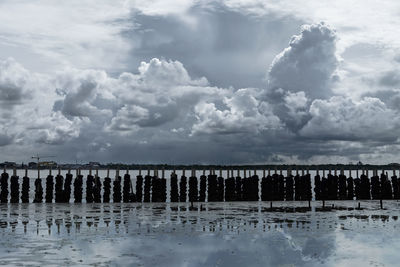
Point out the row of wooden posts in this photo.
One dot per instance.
(153, 188)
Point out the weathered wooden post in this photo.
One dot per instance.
(139, 187)
(38, 188)
(89, 187)
(220, 187)
(324, 189)
(395, 185)
(350, 187)
(14, 187)
(163, 184)
(97, 188)
(342, 186)
(107, 187)
(238, 187)
(376, 192)
(117, 188)
(78, 189)
(126, 188)
(49, 187)
(59, 192)
(193, 191)
(229, 187)
(183, 187)
(25, 188)
(212, 187)
(174, 194)
(147, 187)
(203, 186)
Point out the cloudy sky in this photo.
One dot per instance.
(178, 81)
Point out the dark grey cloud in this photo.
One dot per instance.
(227, 46)
(13, 80)
(390, 79)
(5, 139)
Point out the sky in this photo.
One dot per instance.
(205, 82)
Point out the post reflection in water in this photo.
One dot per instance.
(120, 219)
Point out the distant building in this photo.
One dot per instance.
(9, 164)
(49, 164)
(94, 164)
(32, 165)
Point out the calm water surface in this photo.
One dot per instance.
(215, 234)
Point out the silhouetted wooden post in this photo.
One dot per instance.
(67, 187)
(203, 187)
(212, 187)
(78, 189)
(139, 187)
(174, 194)
(126, 188)
(107, 187)
(229, 187)
(147, 187)
(49, 187)
(289, 183)
(25, 188)
(350, 187)
(238, 187)
(264, 187)
(59, 192)
(245, 186)
(14, 187)
(117, 188)
(97, 188)
(323, 188)
(38, 188)
(220, 187)
(193, 191)
(89, 187)
(183, 187)
(163, 184)
(395, 185)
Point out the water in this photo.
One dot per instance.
(218, 234)
(215, 234)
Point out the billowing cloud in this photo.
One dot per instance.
(243, 113)
(149, 82)
(13, 83)
(340, 118)
(308, 64)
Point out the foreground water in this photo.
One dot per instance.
(213, 234)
